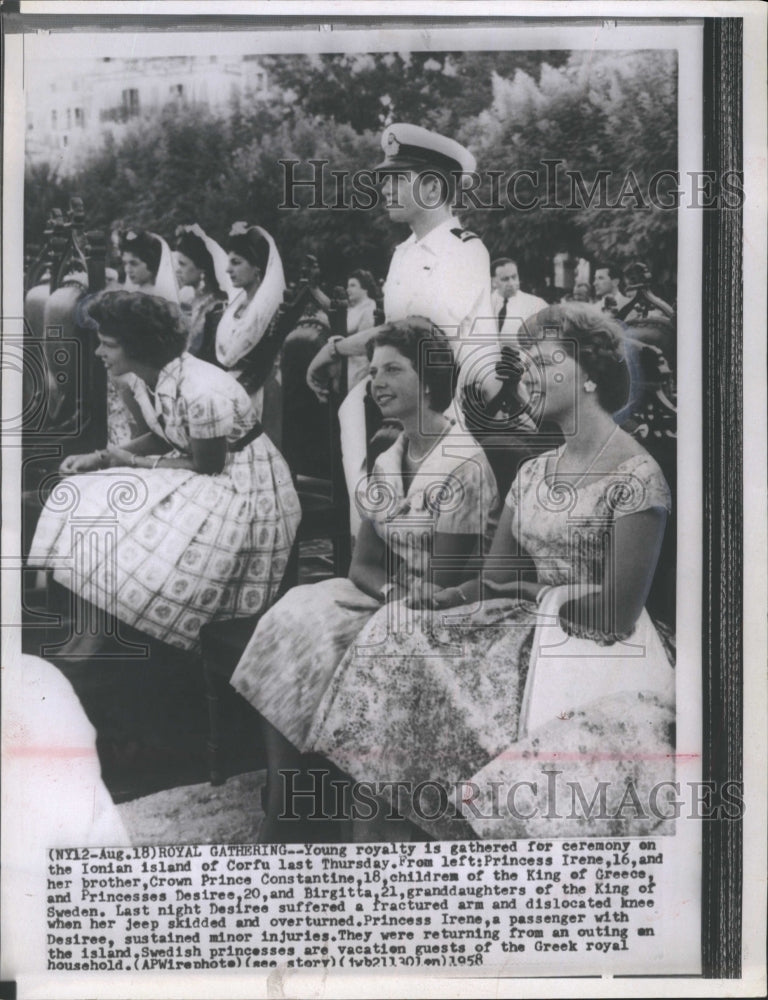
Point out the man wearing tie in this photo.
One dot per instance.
(510, 305)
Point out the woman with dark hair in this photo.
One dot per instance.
(148, 264)
(148, 267)
(215, 512)
(256, 273)
(577, 545)
(431, 495)
(201, 266)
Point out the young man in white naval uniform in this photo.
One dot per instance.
(441, 272)
(511, 305)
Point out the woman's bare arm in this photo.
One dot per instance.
(368, 569)
(630, 563)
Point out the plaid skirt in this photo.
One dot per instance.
(169, 550)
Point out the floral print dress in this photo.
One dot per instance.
(430, 698)
(297, 646)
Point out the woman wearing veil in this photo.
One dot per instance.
(149, 269)
(148, 264)
(256, 272)
(201, 270)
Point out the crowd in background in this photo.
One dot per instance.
(185, 332)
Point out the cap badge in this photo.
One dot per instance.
(392, 147)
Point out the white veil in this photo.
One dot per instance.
(219, 258)
(165, 285)
(236, 336)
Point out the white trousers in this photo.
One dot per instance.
(353, 447)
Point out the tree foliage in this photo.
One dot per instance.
(590, 111)
(614, 112)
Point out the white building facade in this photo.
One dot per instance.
(71, 108)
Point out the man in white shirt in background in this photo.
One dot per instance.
(511, 305)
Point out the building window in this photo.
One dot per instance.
(69, 118)
(79, 118)
(54, 120)
(131, 102)
(177, 91)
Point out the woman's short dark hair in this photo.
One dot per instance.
(251, 246)
(195, 249)
(143, 245)
(148, 328)
(429, 351)
(367, 281)
(594, 340)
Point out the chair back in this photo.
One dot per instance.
(311, 435)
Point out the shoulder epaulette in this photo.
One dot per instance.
(465, 235)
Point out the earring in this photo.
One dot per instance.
(589, 386)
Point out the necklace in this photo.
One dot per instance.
(412, 459)
(591, 465)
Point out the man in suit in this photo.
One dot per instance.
(511, 305)
(606, 282)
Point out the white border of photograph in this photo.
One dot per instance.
(682, 912)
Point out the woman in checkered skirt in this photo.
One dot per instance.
(190, 522)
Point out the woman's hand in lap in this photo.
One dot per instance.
(74, 464)
(117, 458)
(422, 595)
(427, 595)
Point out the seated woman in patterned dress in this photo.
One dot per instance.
(190, 522)
(439, 707)
(431, 496)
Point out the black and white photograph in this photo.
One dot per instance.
(383, 553)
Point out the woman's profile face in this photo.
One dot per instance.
(395, 384)
(112, 356)
(355, 291)
(551, 381)
(242, 273)
(136, 270)
(187, 273)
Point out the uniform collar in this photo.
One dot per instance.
(435, 236)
